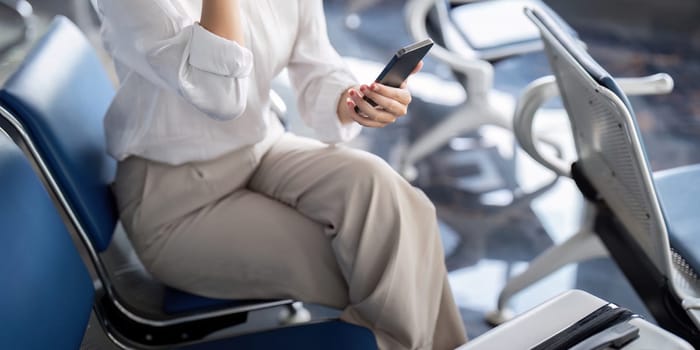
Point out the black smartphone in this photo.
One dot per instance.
(403, 62)
(401, 65)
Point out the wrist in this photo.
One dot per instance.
(222, 17)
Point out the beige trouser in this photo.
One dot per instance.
(295, 218)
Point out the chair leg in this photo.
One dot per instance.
(582, 246)
(468, 117)
(294, 313)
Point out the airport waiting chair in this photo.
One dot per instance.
(647, 222)
(470, 36)
(54, 105)
(15, 18)
(23, 10)
(47, 294)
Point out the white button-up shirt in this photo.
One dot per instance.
(186, 94)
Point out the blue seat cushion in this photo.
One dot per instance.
(679, 193)
(335, 335)
(176, 302)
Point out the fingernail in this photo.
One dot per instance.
(363, 88)
(375, 87)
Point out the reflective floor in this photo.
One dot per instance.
(496, 219)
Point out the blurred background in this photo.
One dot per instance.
(498, 209)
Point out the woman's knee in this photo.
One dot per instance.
(364, 168)
(371, 173)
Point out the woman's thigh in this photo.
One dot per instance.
(328, 182)
(247, 245)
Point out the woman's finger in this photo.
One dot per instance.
(370, 111)
(361, 119)
(392, 106)
(403, 96)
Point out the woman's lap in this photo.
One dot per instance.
(210, 228)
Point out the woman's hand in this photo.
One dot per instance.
(392, 103)
(223, 18)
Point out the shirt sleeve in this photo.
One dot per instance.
(319, 76)
(173, 52)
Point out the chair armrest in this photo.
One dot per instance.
(541, 90)
(536, 94)
(656, 84)
(22, 7)
(479, 72)
(97, 9)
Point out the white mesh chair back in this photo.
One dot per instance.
(608, 142)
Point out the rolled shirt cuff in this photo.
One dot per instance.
(214, 54)
(327, 125)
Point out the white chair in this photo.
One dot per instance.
(15, 25)
(584, 244)
(22, 7)
(471, 35)
(647, 222)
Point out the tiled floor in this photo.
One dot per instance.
(492, 234)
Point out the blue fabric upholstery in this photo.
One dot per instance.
(679, 192)
(336, 335)
(60, 94)
(176, 302)
(46, 293)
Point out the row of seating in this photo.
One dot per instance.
(51, 113)
(53, 107)
(643, 220)
(470, 43)
(646, 221)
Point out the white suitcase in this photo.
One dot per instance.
(542, 322)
